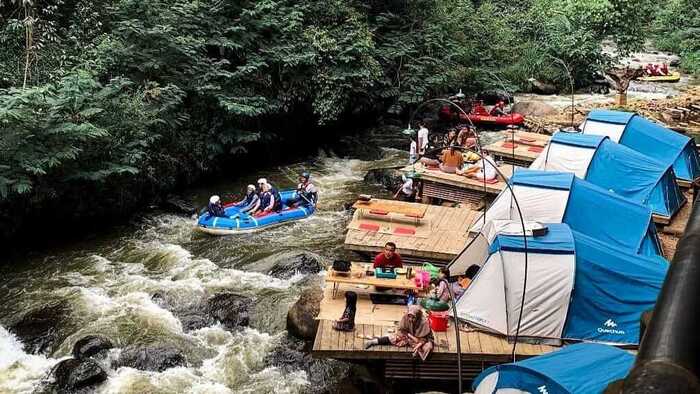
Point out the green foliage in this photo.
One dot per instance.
(74, 130)
(677, 28)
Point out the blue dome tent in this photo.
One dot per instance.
(585, 368)
(578, 288)
(561, 197)
(616, 168)
(648, 138)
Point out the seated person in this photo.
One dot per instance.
(273, 190)
(413, 331)
(498, 109)
(267, 201)
(450, 160)
(406, 192)
(482, 169)
(214, 208)
(466, 138)
(250, 202)
(442, 291)
(306, 192)
(450, 138)
(347, 320)
(388, 258)
(469, 274)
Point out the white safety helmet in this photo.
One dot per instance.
(262, 181)
(214, 199)
(251, 187)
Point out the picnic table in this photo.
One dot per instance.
(353, 278)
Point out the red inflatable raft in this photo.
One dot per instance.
(480, 116)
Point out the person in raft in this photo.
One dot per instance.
(388, 258)
(413, 331)
(250, 202)
(406, 192)
(267, 201)
(498, 109)
(482, 169)
(306, 191)
(214, 208)
(347, 320)
(450, 161)
(273, 190)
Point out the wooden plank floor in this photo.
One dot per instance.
(460, 181)
(446, 238)
(476, 346)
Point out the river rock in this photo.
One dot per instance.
(151, 358)
(178, 204)
(76, 376)
(90, 345)
(542, 87)
(390, 178)
(232, 310)
(39, 329)
(297, 263)
(490, 97)
(533, 108)
(356, 147)
(301, 318)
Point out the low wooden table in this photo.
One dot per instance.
(347, 278)
(527, 147)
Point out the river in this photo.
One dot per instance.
(109, 280)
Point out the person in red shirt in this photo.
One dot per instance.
(389, 257)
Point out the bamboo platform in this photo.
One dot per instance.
(478, 350)
(456, 188)
(441, 234)
(524, 152)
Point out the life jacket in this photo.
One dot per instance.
(215, 210)
(265, 199)
(278, 198)
(309, 192)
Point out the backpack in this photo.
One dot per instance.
(341, 266)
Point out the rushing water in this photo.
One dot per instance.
(109, 282)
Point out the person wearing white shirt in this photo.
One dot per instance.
(406, 192)
(413, 152)
(483, 169)
(422, 138)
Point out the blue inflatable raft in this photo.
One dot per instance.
(236, 222)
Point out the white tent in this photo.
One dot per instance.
(493, 300)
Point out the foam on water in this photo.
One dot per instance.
(20, 372)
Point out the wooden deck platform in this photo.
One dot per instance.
(526, 149)
(478, 350)
(456, 188)
(440, 234)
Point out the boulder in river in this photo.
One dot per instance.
(90, 346)
(390, 178)
(76, 376)
(151, 358)
(296, 263)
(533, 108)
(178, 204)
(356, 147)
(490, 97)
(232, 310)
(301, 318)
(39, 329)
(542, 87)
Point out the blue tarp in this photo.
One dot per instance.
(597, 212)
(585, 368)
(655, 141)
(611, 290)
(558, 240)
